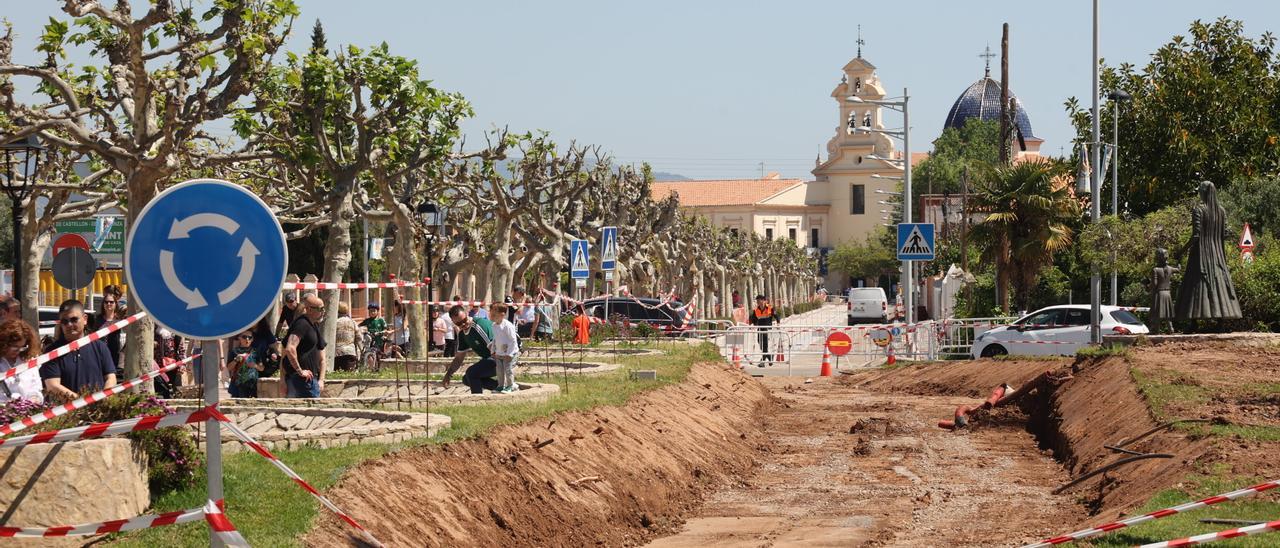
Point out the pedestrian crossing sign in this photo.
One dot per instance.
(580, 268)
(915, 242)
(609, 248)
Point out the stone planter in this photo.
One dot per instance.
(52, 484)
(293, 428)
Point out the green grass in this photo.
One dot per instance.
(1099, 352)
(1166, 390)
(1198, 486)
(270, 510)
(1027, 358)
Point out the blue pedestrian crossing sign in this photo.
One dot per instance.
(915, 242)
(609, 248)
(206, 259)
(579, 260)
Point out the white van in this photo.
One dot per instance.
(867, 305)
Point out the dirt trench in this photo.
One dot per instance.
(725, 460)
(1091, 404)
(611, 476)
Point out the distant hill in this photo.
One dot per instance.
(664, 176)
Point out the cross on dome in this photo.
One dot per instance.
(988, 56)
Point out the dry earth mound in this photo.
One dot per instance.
(610, 476)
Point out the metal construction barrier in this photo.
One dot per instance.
(956, 336)
(790, 344)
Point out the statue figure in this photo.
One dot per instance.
(1161, 293)
(1206, 291)
(866, 119)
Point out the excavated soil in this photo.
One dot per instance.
(851, 467)
(611, 476)
(854, 461)
(1097, 403)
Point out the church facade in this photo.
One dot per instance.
(861, 168)
(837, 206)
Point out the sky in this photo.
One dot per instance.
(712, 89)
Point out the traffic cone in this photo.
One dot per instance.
(737, 360)
(826, 363)
(891, 359)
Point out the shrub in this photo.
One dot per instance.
(173, 458)
(1258, 287)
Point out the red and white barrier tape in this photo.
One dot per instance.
(262, 450)
(470, 303)
(1108, 527)
(65, 408)
(73, 345)
(1029, 341)
(221, 528)
(1220, 535)
(136, 424)
(319, 286)
(114, 526)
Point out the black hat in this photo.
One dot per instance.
(759, 297)
(374, 306)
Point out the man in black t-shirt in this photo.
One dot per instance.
(304, 351)
(81, 371)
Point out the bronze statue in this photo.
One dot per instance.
(1206, 291)
(1161, 294)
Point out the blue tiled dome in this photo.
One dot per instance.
(982, 101)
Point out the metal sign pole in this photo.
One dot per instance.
(210, 358)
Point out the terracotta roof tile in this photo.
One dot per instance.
(721, 192)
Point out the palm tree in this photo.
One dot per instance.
(1029, 208)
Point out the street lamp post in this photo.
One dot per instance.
(24, 154)
(1116, 98)
(434, 221)
(1095, 277)
(906, 279)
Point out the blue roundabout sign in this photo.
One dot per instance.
(206, 258)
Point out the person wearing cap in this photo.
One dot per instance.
(375, 325)
(288, 312)
(763, 316)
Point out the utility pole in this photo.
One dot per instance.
(1095, 278)
(908, 284)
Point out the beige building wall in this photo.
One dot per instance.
(763, 218)
(853, 157)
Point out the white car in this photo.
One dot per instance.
(1060, 330)
(867, 305)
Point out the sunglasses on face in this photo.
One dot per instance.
(246, 337)
(70, 321)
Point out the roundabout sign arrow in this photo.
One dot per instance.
(206, 258)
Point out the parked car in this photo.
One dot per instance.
(867, 305)
(1053, 330)
(653, 312)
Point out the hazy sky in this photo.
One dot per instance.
(711, 89)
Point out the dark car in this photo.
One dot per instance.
(639, 310)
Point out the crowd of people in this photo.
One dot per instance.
(293, 348)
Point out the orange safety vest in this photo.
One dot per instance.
(767, 312)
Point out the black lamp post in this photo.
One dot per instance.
(433, 218)
(21, 161)
(1116, 97)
